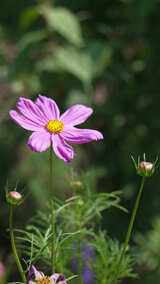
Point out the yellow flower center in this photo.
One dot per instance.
(43, 280)
(54, 126)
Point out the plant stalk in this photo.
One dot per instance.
(14, 246)
(130, 227)
(80, 260)
(52, 212)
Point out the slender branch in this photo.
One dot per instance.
(14, 246)
(52, 211)
(130, 227)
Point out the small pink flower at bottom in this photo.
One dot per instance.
(38, 277)
(43, 118)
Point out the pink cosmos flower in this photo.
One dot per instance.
(49, 127)
(34, 276)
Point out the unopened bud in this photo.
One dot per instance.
(14, 197)
(76, 185)
(147, 165)
(143, 168)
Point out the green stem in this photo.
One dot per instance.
(129, 229)
(80, 260)
(79, 227)
(52, 212)
(14, 246)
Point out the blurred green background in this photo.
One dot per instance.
(104, 54)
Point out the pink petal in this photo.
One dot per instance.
(31, 111)
(80, 136)
(62, 149)
(58, 277)
(24, 122)
(34, 273)
(76, 115)
(62, 282)
(39, 141)
(54, 278)
(48, 107)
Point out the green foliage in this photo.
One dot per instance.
(68, 59)
(35, 239)
(105, 56)
(64, 22)
(149, 246)
(28, 16)
(38, 232)
(91, 206)
(106, 260)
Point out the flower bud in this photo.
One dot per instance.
(146, 169)
(143, 168)
(14, 197)
(76, 185)
(147, 165)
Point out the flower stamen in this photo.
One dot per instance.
(54, 126)
(43, 280)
